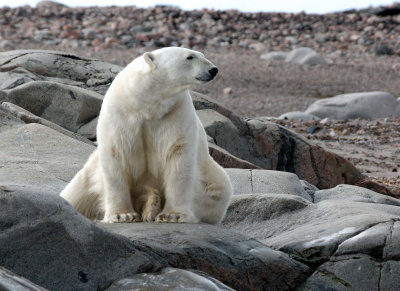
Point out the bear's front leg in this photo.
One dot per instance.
(179, 186)
(117, 199)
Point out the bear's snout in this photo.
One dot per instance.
(213, 72)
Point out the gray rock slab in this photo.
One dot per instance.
(356, 273)
(309, 188)
(230, 257)
(354, 193)
(224, 131)
(311, 233)
(43, 239)
(390, 279)
(12, 282)
(370, 242)
(266, 181)
(274, 56)
(366, 105)
(392, 247)
(28, 117)
(305, 55)
(68, 106)
(33, 154)
(89, 129)
(169, 279)
(298, 115)
(21, 66)
(260, 207)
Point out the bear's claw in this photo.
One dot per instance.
(175, 217)
(123, 217)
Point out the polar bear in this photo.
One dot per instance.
(152, 161)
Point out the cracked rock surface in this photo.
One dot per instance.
(281, 232)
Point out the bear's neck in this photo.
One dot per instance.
(146, 99)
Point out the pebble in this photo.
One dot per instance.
(325, 121)
(227, 91)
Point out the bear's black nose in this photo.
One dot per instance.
(213, 72)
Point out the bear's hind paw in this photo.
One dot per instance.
(123, 217)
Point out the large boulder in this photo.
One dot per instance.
(349, 236)
(305, 55)
(266, 181)
(54, 247)
(11, 281)
(169, 279)
(36, 155)
(22, 66)
(273, 147)
(68, 106)
(366, 105)
(301, 56)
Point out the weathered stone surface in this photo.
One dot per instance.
(305, 55)
(356, 105)
(298, 115)
(356, 273)
(68, 106)
(11, 282)
(390, 279)
(226, 159)
(169, 279)
(266, 181)
(370, 242)
(284, 150)
(28, 117)
(261, 207)
(33, 154)
(392, 246)
(224, 131)
(235, 260)
(274, 56)
(44, 240)
(354, 193)
(311, 233)
(23, 66)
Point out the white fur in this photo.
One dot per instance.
(152, 161)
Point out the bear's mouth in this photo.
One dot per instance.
(205, 77)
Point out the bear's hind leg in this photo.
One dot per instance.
(149, 203)
(214, 195)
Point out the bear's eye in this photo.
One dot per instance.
(190, 58)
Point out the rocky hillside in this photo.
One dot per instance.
(374, 31)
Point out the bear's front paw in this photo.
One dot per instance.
(122, 217)
(179, 217)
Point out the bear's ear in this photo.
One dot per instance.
(149, 59)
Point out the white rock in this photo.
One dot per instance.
(356, 105)
(298, 115)
(305, 55)
(274, 56)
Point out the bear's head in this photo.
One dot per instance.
(179, 67)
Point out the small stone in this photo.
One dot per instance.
(7, 44)
(325, 121)
(227, 91)
(312, 129)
